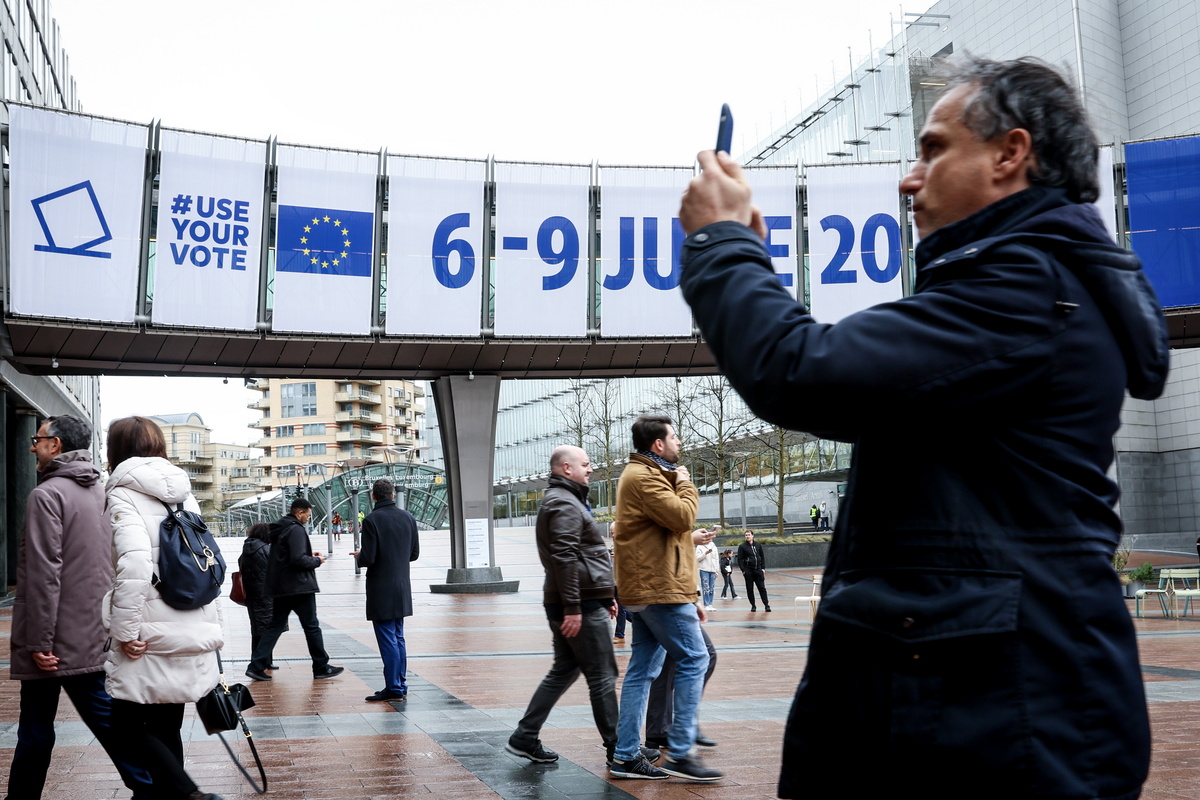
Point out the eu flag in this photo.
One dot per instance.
(324, 241)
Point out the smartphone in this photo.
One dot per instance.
(725, 130)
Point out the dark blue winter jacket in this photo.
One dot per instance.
(972, 640)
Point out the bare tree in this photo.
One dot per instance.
(718, 420)
(772, 451)
(608, 435)
(573, 409)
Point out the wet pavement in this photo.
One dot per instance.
(474, 662)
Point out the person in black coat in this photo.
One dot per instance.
(389, 543)
(292, 584)
(253, 566)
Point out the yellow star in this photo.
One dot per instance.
(306, 251)
(337, 222)
(345, 232)
(346, 243)
(327, 219)
(343, 255)
(314, 261)
(303, 240)
(324, 264)
(307, 229)
(315, 220)
(335, 262)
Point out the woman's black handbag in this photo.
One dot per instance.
(221, 710)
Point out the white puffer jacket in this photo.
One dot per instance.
(179, 665)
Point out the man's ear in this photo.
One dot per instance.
(1014, 157)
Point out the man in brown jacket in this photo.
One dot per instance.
(656, 574)
(64, 568)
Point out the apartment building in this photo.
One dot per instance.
(221, 474)
(309, 427)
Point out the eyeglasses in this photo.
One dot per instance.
(34, 439)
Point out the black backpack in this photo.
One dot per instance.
(190, 566)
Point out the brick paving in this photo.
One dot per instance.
(476, 659)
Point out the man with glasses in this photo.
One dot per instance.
(64, 568)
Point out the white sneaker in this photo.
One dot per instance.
(709, 608)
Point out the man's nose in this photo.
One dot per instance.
(912, 182)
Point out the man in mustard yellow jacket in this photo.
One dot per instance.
(656, 576)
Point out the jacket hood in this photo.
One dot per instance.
(1075, 235)
(74, 465)
(155, 477)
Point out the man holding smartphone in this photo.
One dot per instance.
(959, 642)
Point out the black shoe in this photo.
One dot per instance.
(273, 666)
(534, 752)
(386, 694)
(256, 675)
(204, 796)
(704, 741)
(649, 753)
(692, 769)
(768, 609)
(638, 768)
(661, 744)
(754, 608)
(327, 671)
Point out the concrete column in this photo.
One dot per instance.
(5, 498)
(466, 408)
(22, 473)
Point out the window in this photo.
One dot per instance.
(286, 451)
(195, 437)
(174, 438)
(298, 399)
(282, 431)
(314, 429)
(346, 447)
(314, 449)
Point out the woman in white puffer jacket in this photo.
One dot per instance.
(161, 657)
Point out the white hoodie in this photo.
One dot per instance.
(179, 665)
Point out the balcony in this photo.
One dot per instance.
(200, 477)
(262, 422)
(358, 396)
(418, 390)
(190, 459)
(259, 384)
(360, 436)
(262, 404)
(402, 402)
(364, 382)
(359, 416)
(266, 441)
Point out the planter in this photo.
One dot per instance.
(1133, 587)
(797, 554)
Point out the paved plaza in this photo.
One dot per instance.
(475, 660)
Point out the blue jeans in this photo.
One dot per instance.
(708, 586)
(35, 732)
(660, 629)
(389, 635)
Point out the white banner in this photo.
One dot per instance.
(1106, 203)
(641, 239)
(209, 243)
(775, 195)
(435, 246)
(854, 255)
(541, 265)
(75, 214)
(324, 241)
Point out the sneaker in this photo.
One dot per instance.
(256, 675)
(535, 752)
(649, 753)
(691, 768)
(709, 608)
(638, 768)
(328, 671)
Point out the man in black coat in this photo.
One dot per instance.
(389, 543)
(752, 561)
(960, 642)
(292, 582)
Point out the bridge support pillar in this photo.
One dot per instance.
(467, 407)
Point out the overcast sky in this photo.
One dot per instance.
(620, 82)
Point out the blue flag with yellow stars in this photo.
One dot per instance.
(324, 241)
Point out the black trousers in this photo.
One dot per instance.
(152, 732)
(35, 733)
(755, 577)
(305, 606)
(659, 709)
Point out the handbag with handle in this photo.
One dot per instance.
(221, 710)
(238, 593)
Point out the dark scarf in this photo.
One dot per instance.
(657, 459)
